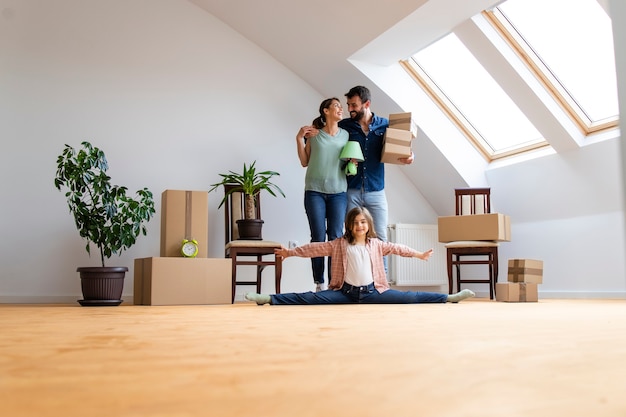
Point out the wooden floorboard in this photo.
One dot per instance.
(476, 358)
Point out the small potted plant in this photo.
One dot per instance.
(250, 183)
(104, 215)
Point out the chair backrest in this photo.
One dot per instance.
(472, 201)
(233, 211)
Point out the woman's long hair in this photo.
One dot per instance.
(351, 216)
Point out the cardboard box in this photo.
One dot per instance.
(517, 292)
(184, 215)
(525, 270)
(403, 121)
(182, 281)
(397, 145)
(492, 226)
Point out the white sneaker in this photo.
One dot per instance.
(319, 287)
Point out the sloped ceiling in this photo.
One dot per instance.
(314, 39)
(318, 40)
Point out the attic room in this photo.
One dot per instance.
(178, 91)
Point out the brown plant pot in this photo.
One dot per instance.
(250, 229)
(102, 286)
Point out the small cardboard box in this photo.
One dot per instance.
(181, 281)
(397, 145)
(517, 292)
(403, 121)
(184, 215)
(525, 270)
(491, 226)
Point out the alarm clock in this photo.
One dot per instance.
(189, 248)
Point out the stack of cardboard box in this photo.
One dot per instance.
(524, 275)
(398, 136)
(173, 279)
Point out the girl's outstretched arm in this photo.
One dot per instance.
(424, 255)
(283, 252)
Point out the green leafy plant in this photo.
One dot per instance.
(103, 213)
(250, 183)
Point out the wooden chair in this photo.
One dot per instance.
(240, 251)
(471, 201)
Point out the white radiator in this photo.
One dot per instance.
(412, 271)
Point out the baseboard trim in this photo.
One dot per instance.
(128, 299)
(572, 295)
(53, 299)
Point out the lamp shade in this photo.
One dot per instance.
(352, 150)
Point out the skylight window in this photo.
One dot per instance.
(571, 42)
(567, 44)
(477, 101)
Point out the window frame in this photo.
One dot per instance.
(548, 80)
(458, 119)
(538, 69)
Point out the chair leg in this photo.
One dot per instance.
(491, 276)
(495, 270)
(449, 259)
(233, 255)
(259, 274)
(458, 273)
(278, 272)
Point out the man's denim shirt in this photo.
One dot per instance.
(370, 174)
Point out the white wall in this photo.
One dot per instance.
(618, 15)
(173, 97)
(566, 207)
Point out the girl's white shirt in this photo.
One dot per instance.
(359, 268)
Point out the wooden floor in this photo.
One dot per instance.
(476, 358)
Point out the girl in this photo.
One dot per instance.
(358, 273)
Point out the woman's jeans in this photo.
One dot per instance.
(326, 214)
(366, 294)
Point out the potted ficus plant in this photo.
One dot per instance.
(104, 215)
(250, 182)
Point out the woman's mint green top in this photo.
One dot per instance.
(324, 173)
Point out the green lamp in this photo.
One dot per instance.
(352, 151)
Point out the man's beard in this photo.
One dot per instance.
(357, 115)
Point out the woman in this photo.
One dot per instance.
(358, 270)
(325, 184)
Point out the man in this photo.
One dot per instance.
(367, 187)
